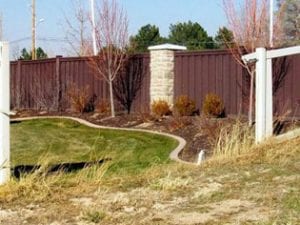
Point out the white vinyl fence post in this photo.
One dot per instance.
(269, 99)
(4, 113)
(260, 106)
(264, 87)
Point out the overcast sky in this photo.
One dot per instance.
(162, 13)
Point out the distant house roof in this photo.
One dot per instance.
(167, 47)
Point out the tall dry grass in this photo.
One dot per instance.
(43, 184)
(236, 145)
(234, 140)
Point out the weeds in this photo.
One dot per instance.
(171, 183)
(93, 216)
(234, 141)
(34, 187)
(42, 183)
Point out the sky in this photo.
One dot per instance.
(17, 19)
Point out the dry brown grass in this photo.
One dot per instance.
(233, 141)
(244, 182)
(236, 145)
(41, 184)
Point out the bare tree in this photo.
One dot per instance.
(129, 82)
(249, 25)
(111, 40)
(77, 30)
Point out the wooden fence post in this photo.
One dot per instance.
(17, 86)
(58, 83)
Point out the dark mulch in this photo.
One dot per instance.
(200, 133)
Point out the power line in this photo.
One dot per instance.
(20, 40)
(49, 39)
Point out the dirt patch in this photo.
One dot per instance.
(233, 210)
(207, 189)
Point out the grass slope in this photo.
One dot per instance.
(260, 186)
(61, 140)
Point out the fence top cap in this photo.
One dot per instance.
(167, 47)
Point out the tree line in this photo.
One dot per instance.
(248, 28)
(190, 34)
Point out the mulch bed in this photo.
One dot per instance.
(200, 133)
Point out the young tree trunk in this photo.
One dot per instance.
(111, 97)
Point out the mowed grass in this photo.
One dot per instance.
(67, 141)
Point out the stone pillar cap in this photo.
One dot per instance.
(167, 47)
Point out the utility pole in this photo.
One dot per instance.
(1, 27)
(33, 26)
(271, 22)
(94, 27)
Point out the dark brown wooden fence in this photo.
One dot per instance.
(200, 73)
(45, 84)
(287, 97)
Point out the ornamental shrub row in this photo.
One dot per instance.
(212, 106)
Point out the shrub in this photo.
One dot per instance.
(79, 98)
(103, 106)
(184, 106)
(213, 106)
(160, 108)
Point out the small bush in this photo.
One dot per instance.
(103, 106)
(184, 106)
(160, 108)
(213, 106)
(79, 98)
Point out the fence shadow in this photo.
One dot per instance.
(20, 170)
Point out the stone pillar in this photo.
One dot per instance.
(162, 64)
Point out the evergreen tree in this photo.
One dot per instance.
(224, 38)
(147, 35)
(192, 35)
(289, 14)
(25, 55)
(40, 54)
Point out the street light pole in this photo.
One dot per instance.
(33, 26)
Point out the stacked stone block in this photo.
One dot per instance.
(162, 62)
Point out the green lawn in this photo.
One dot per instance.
(61, 140)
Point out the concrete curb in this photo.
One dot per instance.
(173, 155)
(288, 135)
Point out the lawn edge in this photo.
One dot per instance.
(173, 155)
